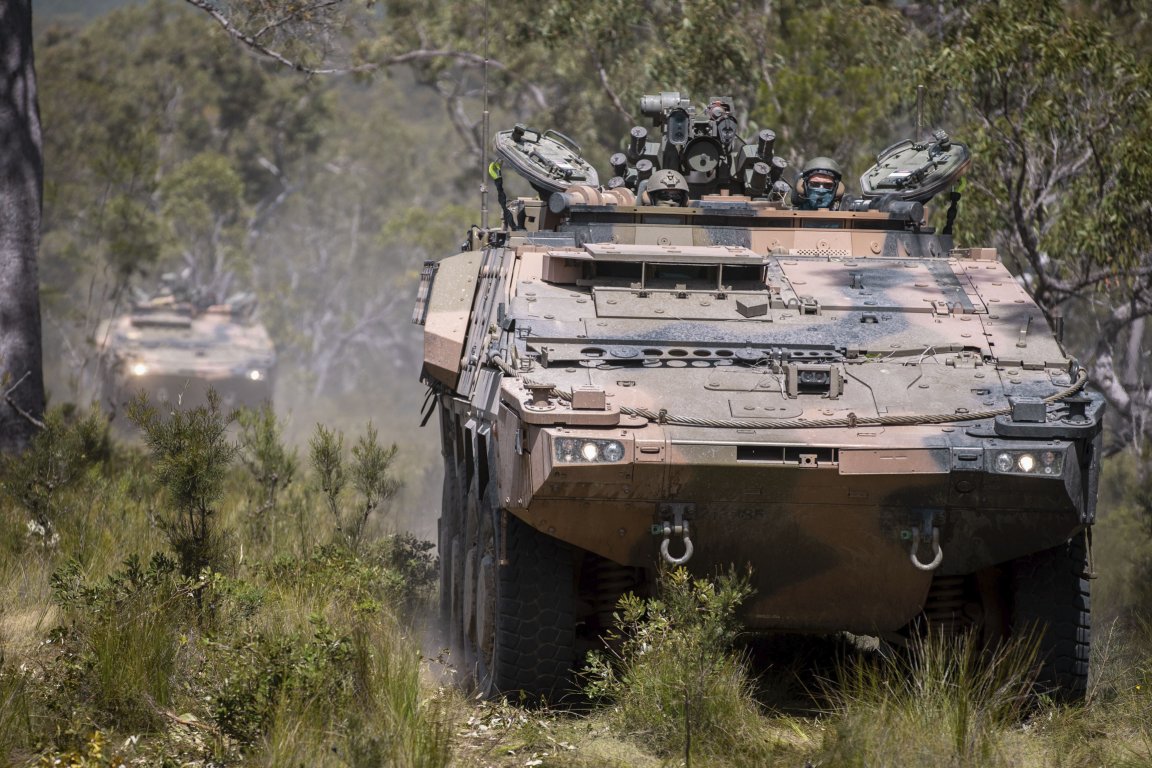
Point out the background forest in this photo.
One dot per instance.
(317, 153)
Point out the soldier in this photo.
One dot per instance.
(819, 184)
(667, 188)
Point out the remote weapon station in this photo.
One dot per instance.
(689, 365)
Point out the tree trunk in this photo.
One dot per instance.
(21, 189)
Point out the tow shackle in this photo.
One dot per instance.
(682, 531)
(937, 552)
(677, 526)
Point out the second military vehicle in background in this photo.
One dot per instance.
(177, 344)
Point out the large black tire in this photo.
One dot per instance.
(507, 594)
(535, 629)
(1051, 596)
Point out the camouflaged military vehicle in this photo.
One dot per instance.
(684, 366)
(176, 345)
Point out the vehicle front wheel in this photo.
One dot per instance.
(1052, 597)
(523, 634)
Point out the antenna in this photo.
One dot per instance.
(919, 103)
(484, 133)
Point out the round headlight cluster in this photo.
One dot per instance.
(1029, 462)
(571, 450)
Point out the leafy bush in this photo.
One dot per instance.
(260, 672)
(412, 567)
(675, 681)
(379, 715)
(58, 459)
(370, 475)
(269, 462)
(332, 698)
(192, 455)
(392, 573)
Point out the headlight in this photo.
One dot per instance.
(570, 450)
(256, 374)
(1034, 462)
(139, 369)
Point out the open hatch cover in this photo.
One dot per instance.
(916, 171)
(550, 161)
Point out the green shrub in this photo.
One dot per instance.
(192, 455)
(58, 459)
(393, 573)
(268, 461)
(675, 683)
(370, 472)
(260, 673)
(413, 570)
(380, 716)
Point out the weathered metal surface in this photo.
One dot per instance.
(809, 389)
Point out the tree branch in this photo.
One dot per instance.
(612, 95)
(409, 57)
(285, 19)
(12, 403)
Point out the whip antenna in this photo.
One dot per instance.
(919, 99)
(484, 133)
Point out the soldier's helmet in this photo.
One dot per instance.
(819, 183)
(667, 187)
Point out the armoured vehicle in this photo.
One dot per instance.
(883, 425)
(177, 344)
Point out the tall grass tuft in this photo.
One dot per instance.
(945, 701)
(120, 644)
(15, 727)
(674, 681)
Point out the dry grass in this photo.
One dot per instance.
(354, 690)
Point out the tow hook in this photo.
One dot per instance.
(927, 531)
(677, 526)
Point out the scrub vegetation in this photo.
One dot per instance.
(145, 619)
(204, 588)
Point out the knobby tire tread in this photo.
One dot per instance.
(1053, 596)
(536, 622)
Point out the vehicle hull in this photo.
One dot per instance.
(826, 551)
